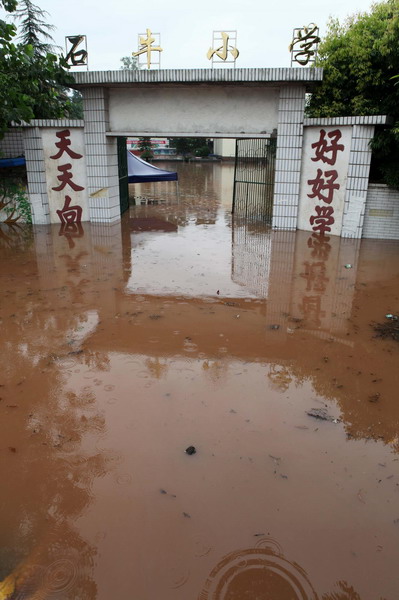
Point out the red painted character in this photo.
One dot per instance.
(66, 179)
(320, 184)
(64, 144)
(70, 214)
(323, 218)
(322, 148)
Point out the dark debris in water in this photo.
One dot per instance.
(322, 414)
(190, 450)
(387, 330)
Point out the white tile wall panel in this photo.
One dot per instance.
(289, 153)
(290, 116)
(291, 129)
(358, 184)
(381, 218)
(360, 158)
(287, 175)
(289, 141)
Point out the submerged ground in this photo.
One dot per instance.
(123, 345)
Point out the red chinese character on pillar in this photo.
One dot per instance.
(322, 148)
(64, 144)
(70, 214)
(323, 218)
(320, 184)
(66, 179)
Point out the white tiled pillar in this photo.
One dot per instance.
(101, 157)
(288, 157)
(357, 182)
(36, 175)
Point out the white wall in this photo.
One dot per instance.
(196, 110)
(381, 219)
(56, 199)
(310, 168)
(225, 147)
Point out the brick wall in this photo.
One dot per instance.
(381, 218)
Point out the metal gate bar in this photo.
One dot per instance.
(254, 179)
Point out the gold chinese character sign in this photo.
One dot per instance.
(74, 57)
(223, 50)
(304, 44)
(145, 47)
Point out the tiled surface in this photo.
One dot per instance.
(381, 217)
(357, 181)
(182, 76)
(36, 175)
(101, 157)
(339, 121)
(288, 156)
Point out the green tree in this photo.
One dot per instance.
(145, 147)
(33, 29)
(190, 146)
(360, 58)
(32, 83)
(75, 109)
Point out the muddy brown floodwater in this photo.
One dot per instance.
(123, 345)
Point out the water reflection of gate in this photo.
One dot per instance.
(254, 179)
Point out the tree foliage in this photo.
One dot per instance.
(33, 29)
(189, 145)
(360, 59)
(32, 80)
(145, 147)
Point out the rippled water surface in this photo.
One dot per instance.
(123, 345)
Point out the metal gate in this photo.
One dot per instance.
(123, 174)
(254, 179)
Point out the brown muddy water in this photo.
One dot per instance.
(123, 345)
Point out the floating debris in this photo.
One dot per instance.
(389, 329)
(374, 397)
(322, 414)
(190, 450)
(348, 266)
(274, 326)
(187, 515)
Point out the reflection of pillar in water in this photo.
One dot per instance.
(281, 281)
(323, 288)
(251, 257)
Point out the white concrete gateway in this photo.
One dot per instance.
(322, 166)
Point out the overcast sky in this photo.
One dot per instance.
(264, 27)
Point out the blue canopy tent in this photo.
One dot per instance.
(140, 171)
(12, 162)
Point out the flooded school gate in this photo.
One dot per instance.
(125, 344)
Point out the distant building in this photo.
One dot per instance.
(224, 147)
(159, 146)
